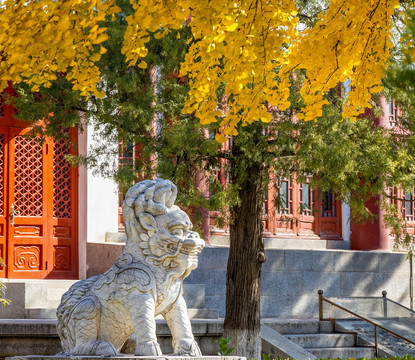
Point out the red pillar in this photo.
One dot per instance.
(373, 235)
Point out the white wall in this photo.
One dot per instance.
(102, 199)
(82, 207)
(346, 222)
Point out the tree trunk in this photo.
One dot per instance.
(246, 255)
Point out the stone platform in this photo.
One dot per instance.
(124, 357)
(19, 337)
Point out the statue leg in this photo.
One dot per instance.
(142, 309)
(83, 326)
(181, 329)
(129, 346)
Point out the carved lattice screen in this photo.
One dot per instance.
(28, 176)
(61, 181)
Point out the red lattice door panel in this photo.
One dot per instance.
(3, 211)
(27, 228)
(63, 222)
(39, 212)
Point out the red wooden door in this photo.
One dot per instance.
(27, 206)
(38, 217)
(330, 226)
(293, 208)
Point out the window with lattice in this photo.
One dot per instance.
(328, 204)
(306, 198)
(284, 204)
(392, 113)
(408, 211)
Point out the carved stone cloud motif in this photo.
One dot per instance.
(114, 312)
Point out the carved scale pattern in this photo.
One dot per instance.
(61, 181)
(1, 174)
(28, 176)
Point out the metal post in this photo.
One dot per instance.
(376, 341)
(385, 304)
(320, 305)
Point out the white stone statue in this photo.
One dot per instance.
(114, 312)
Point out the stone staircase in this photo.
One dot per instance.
(320, 339)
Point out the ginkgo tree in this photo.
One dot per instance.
(249, 46)
(240, 68)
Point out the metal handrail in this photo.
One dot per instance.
(384, 293)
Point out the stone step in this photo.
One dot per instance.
(323, 340)
(343, 353)
(50, 313)
(203, 313)
(291, 326)
(20, 337)
(313, 243)
(39, 313)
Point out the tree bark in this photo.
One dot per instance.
(246, 255)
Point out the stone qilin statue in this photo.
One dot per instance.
(114, 312)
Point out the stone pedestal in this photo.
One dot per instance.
(124, 357)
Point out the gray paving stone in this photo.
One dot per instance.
(214, 258)
(277, 345)
(216, 302)
(306, 304)
(354, 261)
(293, 326)
(272, 306)
(401, 290)
(322, 340)
(307, 260)
(291, 283)
(360, 284)
(392, 263)
(16, 293)
(329, 282)
(194, 295)
(343, 353)
(269, 283)
(201, 276)
(275, 260)
(36, 294)
(220, 282)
